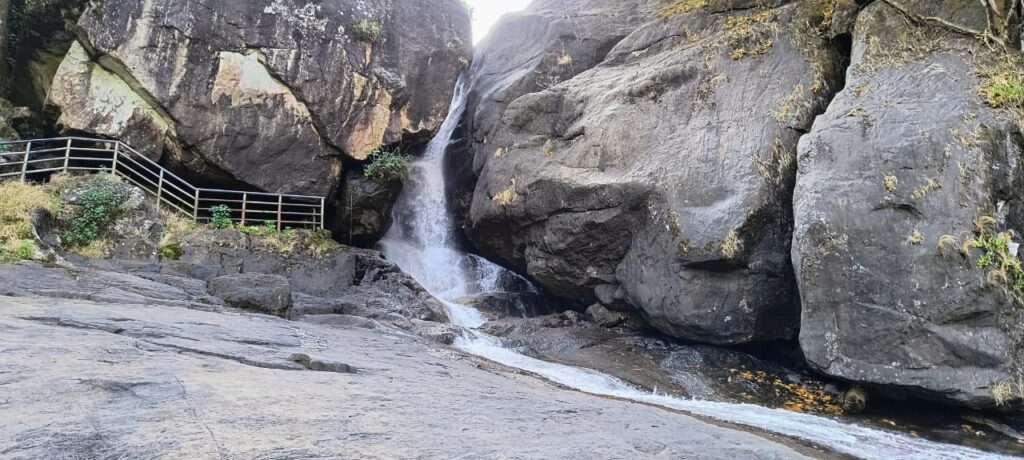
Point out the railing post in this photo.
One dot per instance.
(160, 189)
(24, 160)
(322, 214)
(280, 202)
(195, 208)
(245, 203)
(67, 155)
(117, 152)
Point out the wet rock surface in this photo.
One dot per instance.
(766, 375)
(96, 379)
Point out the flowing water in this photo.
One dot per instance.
(422, 242)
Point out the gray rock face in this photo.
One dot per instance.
(907, 154)
(364, 208)
(549, 42)
(81, 379)
(270, 93)
(270, 294)
(663, 173)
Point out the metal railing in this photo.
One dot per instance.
(28, 159)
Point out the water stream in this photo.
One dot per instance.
(422, 243)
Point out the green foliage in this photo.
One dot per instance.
(21, 250)
(367, 31)
(322, 241)
(170, 252)
(102, 200)
(1003, 268)
(221, 216)
(1004, 89)
(388, 166)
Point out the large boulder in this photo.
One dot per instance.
(270, 294)
(528, 51)
(661, 177)
(893, 180)
(364, 208)
(273, 94)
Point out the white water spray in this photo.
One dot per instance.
(421, 241)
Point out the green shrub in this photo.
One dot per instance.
(221, 216)
(367, 31)
(170, 252)
(388, 166)
(102, 200)
(21, 250)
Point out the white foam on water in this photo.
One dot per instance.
(421, 242)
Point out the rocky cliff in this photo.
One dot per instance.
(271, 94)
(902, 177)
(738, 171)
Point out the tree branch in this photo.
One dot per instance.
(953, 27)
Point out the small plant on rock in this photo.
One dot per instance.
(367, 31)
(388, 166)
(221, 216)
(999, 258)
(101, 201)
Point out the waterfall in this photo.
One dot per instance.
(421, 239)
(422, 242)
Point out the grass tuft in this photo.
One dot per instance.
(19, 203)
(890, 182)
(508, 195)
(367, 31)
(388, 166)
(732, 245)
(677, 7)
(915, 238)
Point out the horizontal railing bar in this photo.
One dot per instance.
(44, 160)
(11, 154)
(55, 139)
(83, 149)
(29, 172)
(283, 213)
(213, 190)
(83, 168)
(38, 171)
(296, 222)
(53, 150)
(105, 160)
(304, 205)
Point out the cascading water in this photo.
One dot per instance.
(422, 243)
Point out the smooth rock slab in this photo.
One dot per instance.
(181, 383)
